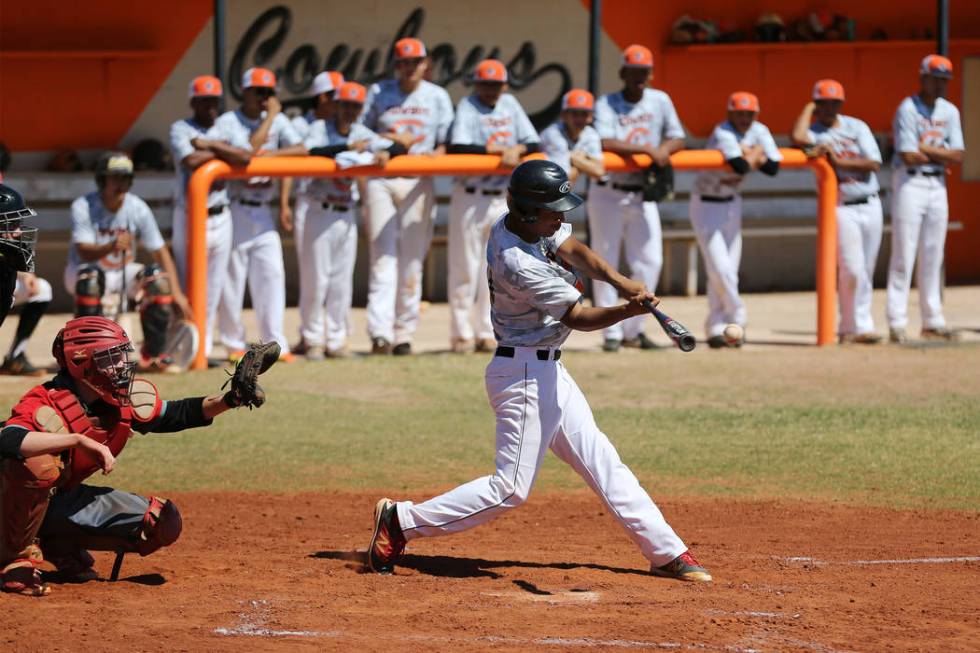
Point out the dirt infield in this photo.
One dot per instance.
(257, 572)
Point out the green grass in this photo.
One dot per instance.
(423, 424)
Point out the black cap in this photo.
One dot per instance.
(542, 184)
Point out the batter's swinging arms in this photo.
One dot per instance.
(535, 300)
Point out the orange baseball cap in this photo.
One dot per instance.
(828, 89)
(409, 48)
(336, 78)
(578, 99)
(637, 56)
(743, 101)
(260, 77)
(936, 65)
(205, 86)
(351, 92)
(490, 70)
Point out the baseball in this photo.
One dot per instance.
(733, 334)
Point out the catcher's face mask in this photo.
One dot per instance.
(114, 370)
(19, 238)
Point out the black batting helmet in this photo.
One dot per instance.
(540, 184)
(16, 241)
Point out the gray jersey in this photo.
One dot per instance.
(726, 139)
(650, 121)
(235, 128)
(182, 133)
(426, 113)
(477, 124)
(915, 124)
(339, 190)
(530, 290)
(850, 139)
(92, 223)
(558, 146)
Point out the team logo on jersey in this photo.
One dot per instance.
(410, 126)
(638, 136)
(565, 188)
(500, 138)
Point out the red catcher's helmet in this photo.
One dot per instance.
(97, 353)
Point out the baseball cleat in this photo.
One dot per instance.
(683, 567)
(940, 334)
(897, 336)
(388, 541)
(611, 344)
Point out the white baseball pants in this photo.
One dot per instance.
(256, 260)
(329, 248)
(398, 216)
(858, 239)
(539, 406)
(920, 214)
(718, 229)
(23, 296)
(471, 216)
(218, 242)
(616, 217)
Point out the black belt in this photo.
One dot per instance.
(716, 199)
(471, 190)
(924, 173)
(543, 354)
(340, 208)
(863, 200)
(629, 188)
(249, 202)
(215, 210)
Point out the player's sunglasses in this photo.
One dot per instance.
(264, 91)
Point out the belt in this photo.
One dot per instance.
(924, 173)
(716, 199)
(542, 354)
(215, 210)
(246, 202)
(629, 188)
(471, 190)
(340, 208)
(863, 200)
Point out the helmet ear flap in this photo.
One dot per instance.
(522, 212)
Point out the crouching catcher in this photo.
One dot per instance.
(65, 430)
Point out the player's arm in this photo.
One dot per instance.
(17, 442)
(182, 414)
(90, 252)
(591, 318)
(206, 150)
(801, 128)
(942, 155)
(584, 163)
(856, 164)
(578, 255)
(285, 211)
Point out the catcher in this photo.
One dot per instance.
(63, 431)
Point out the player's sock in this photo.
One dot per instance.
(29, 318)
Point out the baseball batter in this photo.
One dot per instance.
(256, 257)
(851, 149)
(193, 142)
(330, 228)
(572, 142)
(399, 210)
(489, 121)
(17, 281)
(535, 296)
(928, 137)
(636, 120)
(35, 295)
(716, 210)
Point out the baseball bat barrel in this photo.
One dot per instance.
(676, 331)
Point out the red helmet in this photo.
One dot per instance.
(97, 352)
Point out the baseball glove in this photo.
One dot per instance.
(245, 389)
(658, 183)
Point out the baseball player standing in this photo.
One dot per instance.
(715, 209)
(194, 142)
(636, 120)
(256, 257)
(489, 121)
(928, 137)
(571, 141)
(399, 210)
(535, 303)
(851, 149)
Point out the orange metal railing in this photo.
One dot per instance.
(470, 164)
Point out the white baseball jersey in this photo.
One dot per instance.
(726, 139)
(302, 123)
(336, 189)
(92, 223)
(530, 289)
(182, 133)
(477, 124)
(850, 139)
(558, 146)
(426, 113)
(650, 121)
(235, 128)
(916, 124)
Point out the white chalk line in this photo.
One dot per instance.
(555, 599)
(897, 561)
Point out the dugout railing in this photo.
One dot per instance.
(482, 164)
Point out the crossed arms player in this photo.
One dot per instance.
(535, 304)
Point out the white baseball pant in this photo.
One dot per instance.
(718, 229)
(329, 248)
(858, 239)
(23, 296)
(256, 259)
(616, 217)
(920, 214)
(398, 216)
(218, 242)
(539, 406)
(471, 216)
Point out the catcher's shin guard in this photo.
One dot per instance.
(161, 526)
(89, 289)
(156, 309)
(26, 491)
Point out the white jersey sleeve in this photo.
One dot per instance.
(672, 122)
(142, 222)
(954, 129)
(181, 135)
(905, 127)
(287, 133)
(554, 145)
(589, 142)
(604, 118)
(866, 141)
(525, 131)
(466, 128)
(444, 108)
(82, 228)
(768, 143)
(725, 141)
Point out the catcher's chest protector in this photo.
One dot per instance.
(82, 463)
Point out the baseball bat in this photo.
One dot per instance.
(676, 331)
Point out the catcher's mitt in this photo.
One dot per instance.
(658, 183)
(245, 389)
